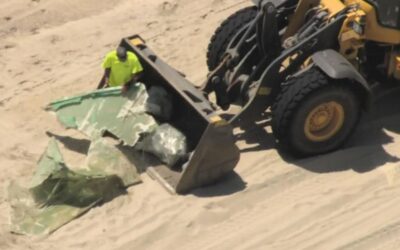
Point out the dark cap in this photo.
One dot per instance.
(121, 53)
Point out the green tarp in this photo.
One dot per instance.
(130, 117)
(57, 194)
(107, 110)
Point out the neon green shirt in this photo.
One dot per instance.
(121, 72)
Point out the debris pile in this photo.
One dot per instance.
(137, 119)
(57, 194)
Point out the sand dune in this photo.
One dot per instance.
(349, 199)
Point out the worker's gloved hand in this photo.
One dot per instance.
(103, 83)
(125, 87)
(107, 82)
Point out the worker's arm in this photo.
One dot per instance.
(134, 79)
(104, 80)
(137, 72)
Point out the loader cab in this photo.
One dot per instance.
(388, 12)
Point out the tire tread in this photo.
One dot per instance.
(225, 32)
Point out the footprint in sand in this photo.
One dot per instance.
(9, 46)
(55, 39)
(18, 74)
(204, 16)
(34, 31)
(152, 24)
(37, 62)
(168, 7)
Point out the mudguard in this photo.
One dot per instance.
(337, 67)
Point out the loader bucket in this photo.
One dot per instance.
(210, 137)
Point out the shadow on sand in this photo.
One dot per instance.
(363, 152)
(80, 146)
(230, 184)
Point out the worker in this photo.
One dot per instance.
(121, 68)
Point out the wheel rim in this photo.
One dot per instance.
(324, 121)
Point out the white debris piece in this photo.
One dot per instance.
(167, 143)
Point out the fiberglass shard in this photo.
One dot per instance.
(57, 195)
(108, 110)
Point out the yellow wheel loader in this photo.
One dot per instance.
(310, 62)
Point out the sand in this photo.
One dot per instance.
(349, 199)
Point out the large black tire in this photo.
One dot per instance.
(301, 103)
(225, 32)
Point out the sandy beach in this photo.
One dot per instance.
(349, 199)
